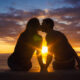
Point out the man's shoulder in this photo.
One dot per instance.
(59, 33)
(55, 33)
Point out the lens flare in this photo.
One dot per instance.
(44, 50)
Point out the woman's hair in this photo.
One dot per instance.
(32, 24)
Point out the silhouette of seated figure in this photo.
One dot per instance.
(20, 60)
(58, 44)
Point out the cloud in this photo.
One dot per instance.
(7, 27)
(72, 1)
(63, 3)
(12, 23)
(65, 12)
(66, 20)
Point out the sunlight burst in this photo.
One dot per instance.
(44, 50)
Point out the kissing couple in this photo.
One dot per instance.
(30, 40)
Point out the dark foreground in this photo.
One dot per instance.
(57, 75)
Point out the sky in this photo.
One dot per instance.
(14, 15)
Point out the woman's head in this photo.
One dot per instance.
(33, 24)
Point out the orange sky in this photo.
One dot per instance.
(9, 48)
(15, 14)
(6, 47)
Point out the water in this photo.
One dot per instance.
(35, 64)
(3, 62)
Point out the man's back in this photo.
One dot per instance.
(59, 45)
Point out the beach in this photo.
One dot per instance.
(34, 73)
(57, 75)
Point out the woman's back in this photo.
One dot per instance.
(26, 44)
(25, 47)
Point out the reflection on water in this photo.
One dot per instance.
(35, 64)
(3, 62)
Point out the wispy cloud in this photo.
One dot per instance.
(66, 20)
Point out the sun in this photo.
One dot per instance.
(44, 49)
(44, 53)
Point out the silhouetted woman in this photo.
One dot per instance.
(20, 60)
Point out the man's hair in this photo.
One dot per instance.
(49, 22)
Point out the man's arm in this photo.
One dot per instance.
(49, 59)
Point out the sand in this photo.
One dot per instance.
(57, 75)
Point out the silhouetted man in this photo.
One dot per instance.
(59, 46)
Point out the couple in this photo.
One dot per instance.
(29, 40)
(64, 54)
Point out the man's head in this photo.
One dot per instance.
(47, 25)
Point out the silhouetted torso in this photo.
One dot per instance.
(60, 46)
(25, 48)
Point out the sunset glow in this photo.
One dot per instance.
(15, 14)
(6, 47)
(44, 50)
